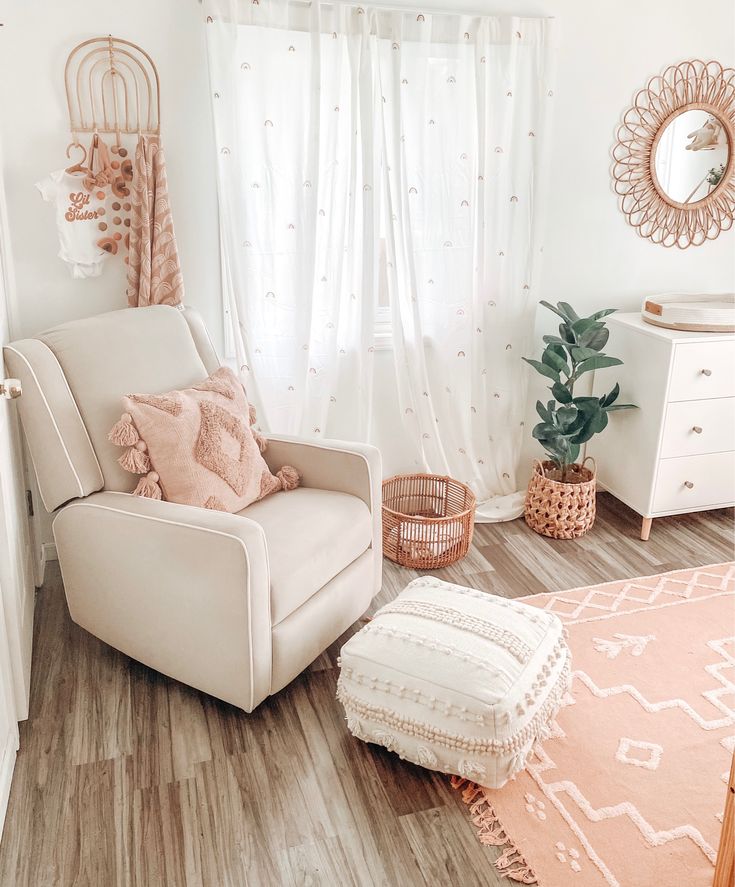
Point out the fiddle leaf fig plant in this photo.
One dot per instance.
(568, 421)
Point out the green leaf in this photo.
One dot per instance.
(595, 338)
(568, 311)
(563, 452)
(584, 434)
(621, 406)
(580, 354)
(566, 332)
(582, 419)
(589, 405)
(611, 397)
(555, 309)
(566, 416)
(553, 340)
(597, 363)
(561, 392)
(553, 359)
(543, 431)
(559, 349)
(583, 324)
(604, 313)
(542, 411)
(598, 422)
(543, 369)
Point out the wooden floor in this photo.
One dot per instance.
(127, 778)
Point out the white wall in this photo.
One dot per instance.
(34, 43)
(592, 257)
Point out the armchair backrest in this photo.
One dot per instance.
(74, 377)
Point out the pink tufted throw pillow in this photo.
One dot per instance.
(196, 446)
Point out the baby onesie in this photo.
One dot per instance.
(78, 214)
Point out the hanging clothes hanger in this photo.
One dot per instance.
(79, 166)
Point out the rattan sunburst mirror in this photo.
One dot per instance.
(674, 160)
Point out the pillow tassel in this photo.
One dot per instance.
(261, 441)
(135, 460)
(123, 433)
(148, 487)
(289, 477)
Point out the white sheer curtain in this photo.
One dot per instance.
(465, 107)
(329, 116)
(294, 112)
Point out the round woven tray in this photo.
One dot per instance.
(561, 510)
(428, 520)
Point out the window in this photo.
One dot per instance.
(383, 327)
(383, 321)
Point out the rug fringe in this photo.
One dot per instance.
(511, 863)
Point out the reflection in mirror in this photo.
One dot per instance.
(691, 156)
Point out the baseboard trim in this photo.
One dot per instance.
(47, 553)
(7, 765)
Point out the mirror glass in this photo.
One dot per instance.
(691, 156)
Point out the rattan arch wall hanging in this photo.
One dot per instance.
(694, 85)
(112, 86)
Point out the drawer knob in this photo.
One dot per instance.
(697, 429)
(706, 372)
(688, 484)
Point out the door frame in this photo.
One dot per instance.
(18, 600)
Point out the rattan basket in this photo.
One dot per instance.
(561, 510)
(428, 520)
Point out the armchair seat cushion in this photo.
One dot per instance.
(311, 536)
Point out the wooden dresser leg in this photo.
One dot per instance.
(725, 869)
(646, 528)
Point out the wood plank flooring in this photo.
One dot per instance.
(125, 777)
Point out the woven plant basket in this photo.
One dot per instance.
(428, 520)
(561, 510)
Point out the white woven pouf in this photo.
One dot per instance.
(455, 679)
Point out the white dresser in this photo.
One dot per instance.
(676, 453)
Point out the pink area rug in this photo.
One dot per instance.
(629, 789)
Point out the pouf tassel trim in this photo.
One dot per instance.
(517, 763)
(473, 624)
(388, 719)
(387, 686)
(428, 643)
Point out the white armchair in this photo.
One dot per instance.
(235, 605)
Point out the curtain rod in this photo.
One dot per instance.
(418, 9)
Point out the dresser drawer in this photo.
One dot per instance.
(688, 483)
(703, 369)
(693, 427)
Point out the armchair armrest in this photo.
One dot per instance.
(343, 466)
(184, 590)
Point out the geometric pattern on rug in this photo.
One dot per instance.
(601, 601)
(629, 786)
(652, 752)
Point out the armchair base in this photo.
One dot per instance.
(302, 636)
